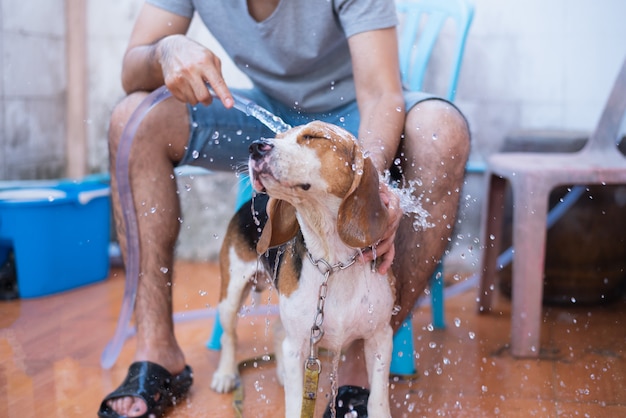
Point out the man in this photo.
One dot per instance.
(334, 60)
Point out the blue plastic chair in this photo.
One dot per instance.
(421, 25)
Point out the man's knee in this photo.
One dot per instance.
(439, 123)
(165, 126)
(436, 113)
(122, 112)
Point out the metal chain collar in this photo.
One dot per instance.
(326, 269)
(312, 365)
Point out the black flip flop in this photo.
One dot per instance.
(146, 380)
(351, 401)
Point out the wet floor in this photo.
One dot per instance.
(50, 358)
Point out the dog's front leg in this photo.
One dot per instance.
(226, 375)
(378, 359)
(293, 358)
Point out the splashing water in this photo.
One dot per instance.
(250, 108)
(334, 386)
(411, 205)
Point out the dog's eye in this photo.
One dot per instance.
(311, 137)
(305, 186)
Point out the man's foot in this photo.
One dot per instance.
(148, 391)
(351, 402)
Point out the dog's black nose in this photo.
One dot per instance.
(259, 148)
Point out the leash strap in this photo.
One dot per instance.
(312, 369)
(238, 400)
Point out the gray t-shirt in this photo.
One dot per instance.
(299, 55)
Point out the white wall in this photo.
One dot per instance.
(32, 87)
(539, 64)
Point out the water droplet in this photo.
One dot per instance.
(164, 270)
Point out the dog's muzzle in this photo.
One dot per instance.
(258, 164)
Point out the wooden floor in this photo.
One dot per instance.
(50, 352)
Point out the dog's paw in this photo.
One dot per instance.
(224, 382)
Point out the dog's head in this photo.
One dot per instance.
(320, 165)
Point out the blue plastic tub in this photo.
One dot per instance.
(59, 232)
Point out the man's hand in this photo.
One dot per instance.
(385, 250)
(187, 69)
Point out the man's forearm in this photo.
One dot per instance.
(141, 70)
(382, 121)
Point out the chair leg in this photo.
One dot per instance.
(402, 361)
(529, 240)
(436, 297)
(215, 341)
(491, 237)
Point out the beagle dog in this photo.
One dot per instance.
(323, 209)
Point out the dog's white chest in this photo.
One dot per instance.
(358, 303)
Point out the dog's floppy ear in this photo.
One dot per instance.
(362, 218)
(281, 225)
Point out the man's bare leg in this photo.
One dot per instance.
(434, 151)
(158, 143)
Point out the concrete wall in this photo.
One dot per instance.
(530, 64)
(32, 89)
(539, 64)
